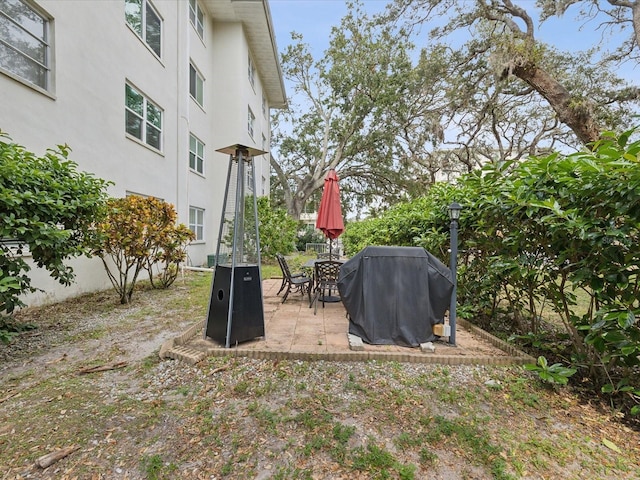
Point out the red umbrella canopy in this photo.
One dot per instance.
(330, 212)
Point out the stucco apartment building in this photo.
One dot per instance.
(144, 92)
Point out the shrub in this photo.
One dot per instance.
(277, 230)
(47, 207)
(533, 234)
(140, 233)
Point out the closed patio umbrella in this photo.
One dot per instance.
(330, 211)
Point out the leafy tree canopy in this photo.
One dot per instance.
(392, 120)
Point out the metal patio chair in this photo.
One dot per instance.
(299, 282)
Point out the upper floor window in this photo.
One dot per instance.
(196, 85)
(145, 21)
(196, 155)
(197, 17)
(24, 42)
(264, 106)
(143, 118)
(251, 119)
(251, 71)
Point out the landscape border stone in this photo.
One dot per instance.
(191, 350)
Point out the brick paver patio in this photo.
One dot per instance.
(293, 331)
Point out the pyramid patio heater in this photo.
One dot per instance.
(235, 311)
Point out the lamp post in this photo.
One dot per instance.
(454, 215)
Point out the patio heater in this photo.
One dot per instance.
(235, 311)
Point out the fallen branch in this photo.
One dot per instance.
(11, 394)
(220, 369)
(51, 362)
(102, 368)
(51, 458)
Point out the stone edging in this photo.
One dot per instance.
(496, 342)
(178, 349)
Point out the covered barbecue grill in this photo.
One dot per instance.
(394, 295)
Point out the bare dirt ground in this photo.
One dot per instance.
(89, 379)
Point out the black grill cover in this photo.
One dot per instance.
(394, 295)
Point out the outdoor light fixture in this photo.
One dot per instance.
(454, 211)
(454, 215)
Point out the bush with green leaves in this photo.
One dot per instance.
(277, 230)
(308, 234)
(140, 233)
(534, 233)
(47, 207)
(423, 222)
(556, 374)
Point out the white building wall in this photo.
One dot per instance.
(94, 54)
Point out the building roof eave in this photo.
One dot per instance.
(255, 17)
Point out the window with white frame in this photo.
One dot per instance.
(251, 70)
(143, 18)
(197, 17)
(196, 223)
(196, 155)
(143, 118)
(25, 43)
(251, 120)
(196, 85)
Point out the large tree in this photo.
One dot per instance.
(347, 113)
(504, 47)
(392, 122)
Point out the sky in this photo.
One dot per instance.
(314, 19)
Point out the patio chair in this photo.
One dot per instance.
(281, 259)
(298, 281)
(326, 281)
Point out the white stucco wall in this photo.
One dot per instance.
(94, 53)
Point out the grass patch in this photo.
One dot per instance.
(379, 463)
(467, 435)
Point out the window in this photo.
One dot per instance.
(145, 21)
(251, 71)
(196, 85)
(264, 143)
(250, 178)
(250, 121)
(197, 17)
(24, 43)
(264, 107)
(196, 222)
(143, 118)
(196, 155)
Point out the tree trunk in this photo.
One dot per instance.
(577, 116)
(635, 17)
(296, 205)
